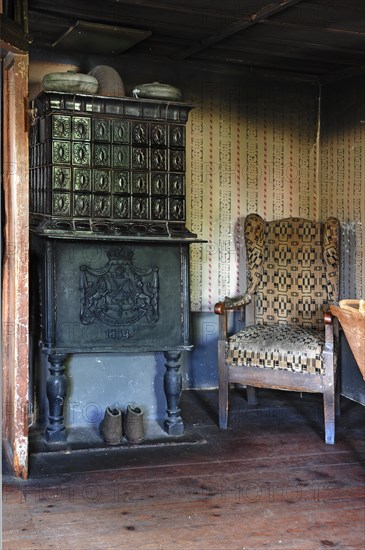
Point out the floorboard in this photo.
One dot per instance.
(268, 482)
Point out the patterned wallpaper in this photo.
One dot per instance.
(264, 148)
(252, 149)
(343, 176)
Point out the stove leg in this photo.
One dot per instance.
(56, 393)
(173, 424)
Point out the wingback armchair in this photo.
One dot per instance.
(293, 274)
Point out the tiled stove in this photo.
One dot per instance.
(109, 245)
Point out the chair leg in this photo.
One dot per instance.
(329, 415)
(223, 407)
(223, 386)
(251, 395)
(329, 386)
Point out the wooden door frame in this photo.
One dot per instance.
(15, 296)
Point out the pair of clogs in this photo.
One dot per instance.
(116, 424)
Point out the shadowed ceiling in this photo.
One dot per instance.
(302, 40)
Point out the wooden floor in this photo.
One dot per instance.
(269, 482)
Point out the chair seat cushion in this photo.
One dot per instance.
(278, 346)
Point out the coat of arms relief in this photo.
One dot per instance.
(119, 293)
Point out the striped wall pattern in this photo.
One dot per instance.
(249, 149)
(343, 176)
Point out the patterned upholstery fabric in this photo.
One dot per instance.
(255, 243)
(279, 347)
(331, 257)
(293, 267)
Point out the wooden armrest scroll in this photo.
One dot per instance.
(219, 308)
(328, 318)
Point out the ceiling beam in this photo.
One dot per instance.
(276, 63)
(244, 71)
(40, 17)
(310, 28)
(315, 46)
(13, 38)
(299, 50)
(212, 67)
(343, 74)
(165, 7)
(237, 26)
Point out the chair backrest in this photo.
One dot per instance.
(293, 267)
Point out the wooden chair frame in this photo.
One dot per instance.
(255, 377)
(279, 379)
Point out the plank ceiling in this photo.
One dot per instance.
(305, 40)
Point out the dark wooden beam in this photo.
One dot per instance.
(343, 57)
(237, 26)
(205, 66)
(166, 7)
(279, 43)
(243, 71)
(12, 37)
(343, 74)
(287, 25)
(39, 17)
(277, 62)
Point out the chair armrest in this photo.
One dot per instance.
(221, 309)
(233, 303)
(328, 317)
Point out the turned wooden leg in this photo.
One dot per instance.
(56, 394)
(173, 385)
